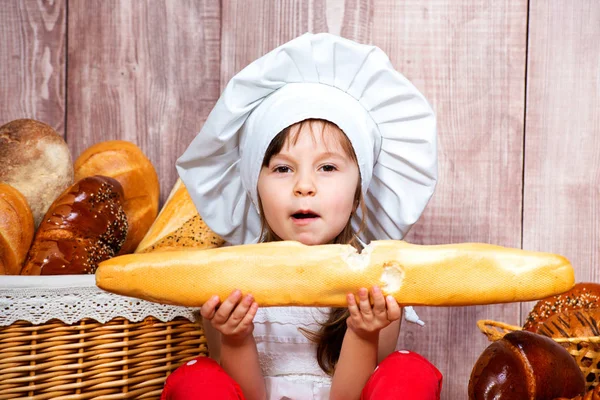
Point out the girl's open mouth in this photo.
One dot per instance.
(304, 217)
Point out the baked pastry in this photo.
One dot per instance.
(126, 163)
(572, 323)
(290, 273)
(583, 296)
(178, 226)
(85, 225)
(36, 161)
(16, 229)
(525, 366)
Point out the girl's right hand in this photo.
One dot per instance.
(233, 318)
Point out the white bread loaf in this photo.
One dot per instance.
(178, 226)
(290, 273)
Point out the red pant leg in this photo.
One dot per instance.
(201, 378)
(404, 375)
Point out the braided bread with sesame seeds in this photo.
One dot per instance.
(86, 224)
(583, 296)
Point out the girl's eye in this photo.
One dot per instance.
(282, 169)
(329, 168)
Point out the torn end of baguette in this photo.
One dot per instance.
(473, 273)
(290, 273)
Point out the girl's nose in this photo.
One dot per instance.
(305, 186)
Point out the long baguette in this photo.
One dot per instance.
(290, 273)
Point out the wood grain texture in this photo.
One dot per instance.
(467, 57)
(562, 159)
(253, 28)
(32, 70)
(150, 72)
(146, 72)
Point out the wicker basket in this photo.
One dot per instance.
(585, 350)
(87, 359)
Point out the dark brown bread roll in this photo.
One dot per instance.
(583, 296)
(85, 225)
(525, 366)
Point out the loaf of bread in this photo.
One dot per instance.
(36, 161)
(16, 229)
(525, 366)
(290, 273)
(85, 225)
(126, 163)
(573, 323)
(583, 296)
(178, 226)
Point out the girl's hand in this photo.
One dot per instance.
(365, 320)
(233, 318)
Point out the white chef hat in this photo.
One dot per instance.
(390, 124)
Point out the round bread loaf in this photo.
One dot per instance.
(84, 226)
(16, 229)
(525, 366)
(36, 161)
(583, 296)
(126, 163)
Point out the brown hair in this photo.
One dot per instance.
(331, 333)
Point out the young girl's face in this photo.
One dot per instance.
(308, 189)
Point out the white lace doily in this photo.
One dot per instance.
(70, 298)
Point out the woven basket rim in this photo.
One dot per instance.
(485, 326)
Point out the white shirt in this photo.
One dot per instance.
(287, 358)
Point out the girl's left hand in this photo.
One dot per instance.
(366, 320)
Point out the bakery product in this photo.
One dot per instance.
(16, 229)
(525, 366)
(85, 225)
(126, 163)
(573, 323)
(36, 161)
(178, 226)
(583, 296)
(290, 273)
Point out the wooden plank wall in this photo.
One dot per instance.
(515, 85)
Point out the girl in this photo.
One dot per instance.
(320, 141)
